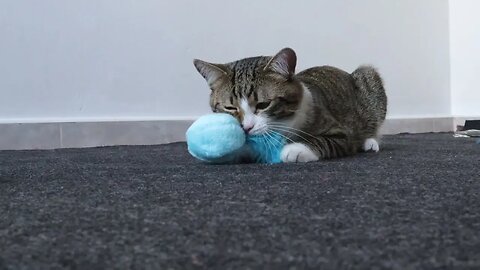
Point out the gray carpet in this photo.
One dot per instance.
(416, 204)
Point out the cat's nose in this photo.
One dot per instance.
(247, 128)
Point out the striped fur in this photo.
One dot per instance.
(328, 110)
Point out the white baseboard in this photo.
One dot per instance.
(417, 125)
(19, 136)
(90, 134)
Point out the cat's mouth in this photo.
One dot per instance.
(257, 130)
(268, 126)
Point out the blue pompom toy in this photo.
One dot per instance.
(219, 138)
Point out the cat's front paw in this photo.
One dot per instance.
(297, 152)
(371, 145)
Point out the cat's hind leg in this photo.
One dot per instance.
(371, 145)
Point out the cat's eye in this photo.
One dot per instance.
(230, 108)
(262, 105)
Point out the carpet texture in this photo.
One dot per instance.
(414, 205)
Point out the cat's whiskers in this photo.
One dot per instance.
(269, 144)
(291, 128)
(272, 138)
(294, 133)
(281, 135)
(264, 142)
(269, 134)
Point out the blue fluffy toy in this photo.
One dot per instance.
(219, 138)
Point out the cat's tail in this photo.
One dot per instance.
(371, 93)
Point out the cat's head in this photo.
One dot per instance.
(259, 91)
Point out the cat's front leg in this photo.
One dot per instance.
(298, 152)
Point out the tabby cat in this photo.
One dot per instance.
(323, 112)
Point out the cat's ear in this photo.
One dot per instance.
(211, 72)
(283, 62)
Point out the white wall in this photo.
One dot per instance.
(124, 59)
(465, 57)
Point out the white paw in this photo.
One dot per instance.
(297, 152)
(371, 145)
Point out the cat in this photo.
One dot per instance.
(322, 112)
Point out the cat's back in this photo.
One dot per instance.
(324, 70)
(326, 77)
(356, 100)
